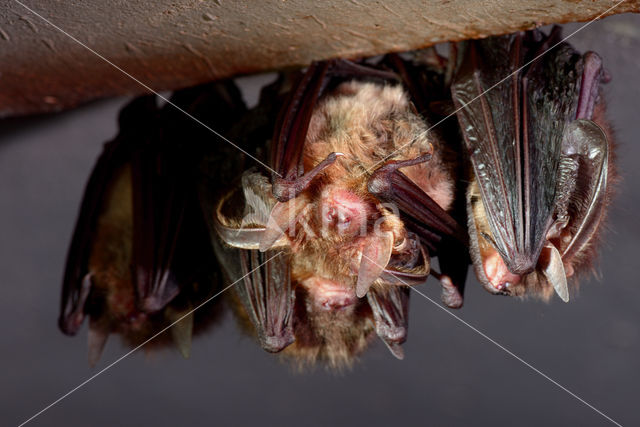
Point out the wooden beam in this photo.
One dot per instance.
(168, 44)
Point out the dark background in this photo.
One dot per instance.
(451, 375)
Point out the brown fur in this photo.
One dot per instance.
(535, 284)
(366, 122)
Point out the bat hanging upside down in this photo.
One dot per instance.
(358, 205)
(532, 117)
(362, 193)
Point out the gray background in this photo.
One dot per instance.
(451, 375)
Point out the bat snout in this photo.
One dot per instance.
(343, 211)
(498, 274)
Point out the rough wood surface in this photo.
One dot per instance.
(167, 44)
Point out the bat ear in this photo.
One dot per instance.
(375, 257)
(182, 330)
(96, 341)
(395, 349)
(254, 230)
(586, 141)
(282, 217)
(555, 274)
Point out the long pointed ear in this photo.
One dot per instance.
(410, 264)
(182, 331)
(96, 340)
(242, 215)
(588, 147)
(283, 217)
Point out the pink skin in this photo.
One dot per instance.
(497, 272)
(343, 211)
(328, 294)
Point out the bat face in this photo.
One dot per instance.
(342, 243)
(540, 154)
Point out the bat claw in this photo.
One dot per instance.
(285, 189)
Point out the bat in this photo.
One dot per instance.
(541, 152)
(140, 254)
(354, 207)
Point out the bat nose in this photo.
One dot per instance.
(497, 272)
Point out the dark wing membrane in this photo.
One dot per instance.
(425, 77)
(158, 208)
(421, 213)
(77, 280)
(293, 123)
(512, 128)
(550, 95)
(489, 120)
(266, 294)
(390, 307)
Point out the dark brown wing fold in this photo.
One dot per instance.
(158, 208)
(134, 119)
(390, 308)
(421, 213)
(512, 115)
(267, 297)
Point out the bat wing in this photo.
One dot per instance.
(424, 76)
(159, 197)
(76, 285)
(264, 288)
(590, 150)
(158, 208)
(267, 296)
(512, 117)
(421, 213)
(390, 307)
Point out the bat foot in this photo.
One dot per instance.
(285, 190)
